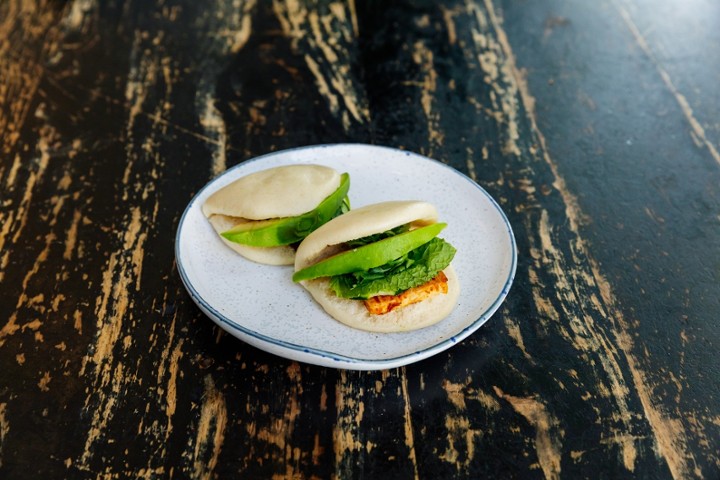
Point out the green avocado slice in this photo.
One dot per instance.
(288, 230)
(371, 255)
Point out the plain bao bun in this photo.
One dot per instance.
(362, 222)
(359, 223)
(286, 191)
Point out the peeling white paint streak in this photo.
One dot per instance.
(548, 437)
(4, 428)
(233, 22)
(210, 432)
(682, 101)
(668, 431)
(310, 32)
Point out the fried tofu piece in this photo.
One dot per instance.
(382, 304)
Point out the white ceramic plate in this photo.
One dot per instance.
(260, 304)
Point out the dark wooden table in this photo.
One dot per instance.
(593, 124)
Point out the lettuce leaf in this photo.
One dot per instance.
(415, 268)
(378, 236)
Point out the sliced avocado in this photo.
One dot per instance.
(288, 230)
(371, 255)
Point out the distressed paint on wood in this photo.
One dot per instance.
(102, 149)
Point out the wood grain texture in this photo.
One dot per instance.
(603, 154)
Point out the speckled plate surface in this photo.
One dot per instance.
(260, 304)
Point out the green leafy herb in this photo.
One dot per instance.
(378, 236)
(412, 269)
(372, 255)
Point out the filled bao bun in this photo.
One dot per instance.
(279, 192)
(328, 240)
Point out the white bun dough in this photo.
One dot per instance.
(364, 221)
(359, 223)
(286, 191)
